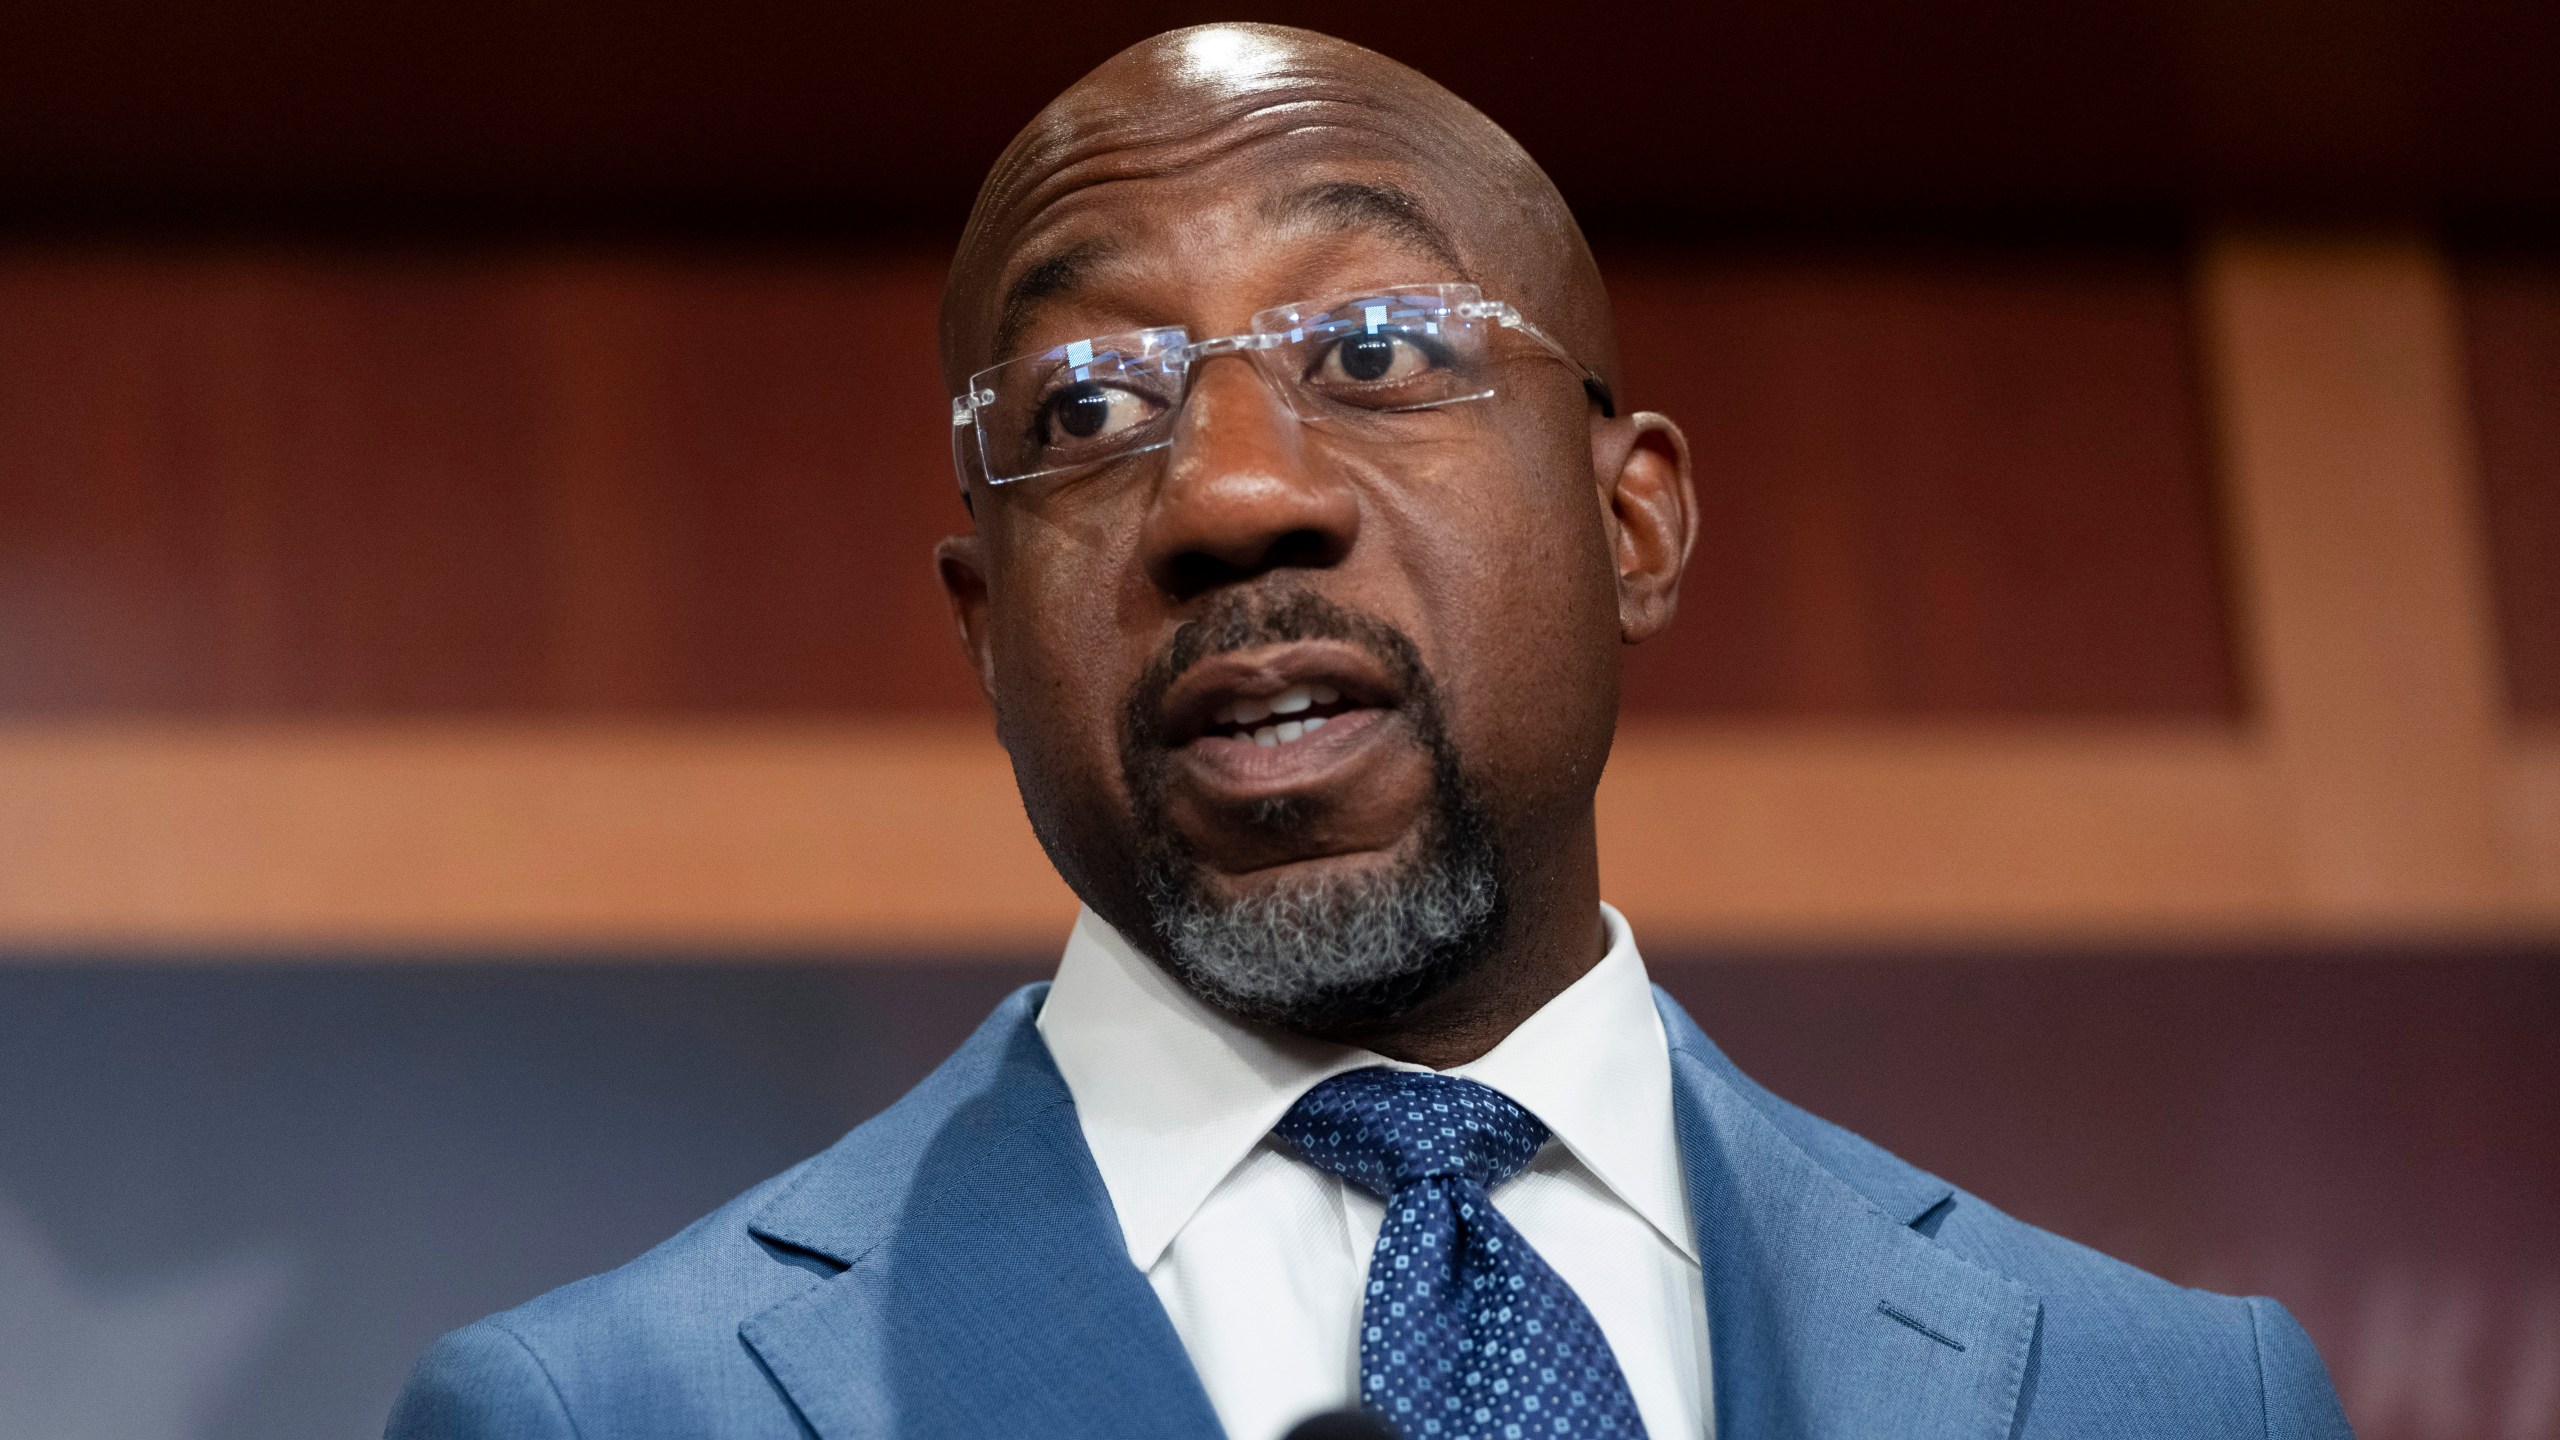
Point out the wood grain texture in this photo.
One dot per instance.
(291, 486)
(890, 838)
(1814, 836)
(517, 837)
(2375, 788)
(2511, 353)
(1934, 485)
(421, 486)
(2359, 552)
(2529, 815)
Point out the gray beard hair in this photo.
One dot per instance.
(1337, 951)
(1333, 951)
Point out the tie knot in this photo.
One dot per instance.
(1384, 1129)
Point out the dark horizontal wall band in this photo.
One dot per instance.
(2387, 106)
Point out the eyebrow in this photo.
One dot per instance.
(1358, 205)
(1055, 276)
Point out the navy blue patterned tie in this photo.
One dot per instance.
(1466, 1333)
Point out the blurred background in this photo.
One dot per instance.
(484, 775)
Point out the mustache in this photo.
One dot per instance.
(1354, 951)
(1246, 620)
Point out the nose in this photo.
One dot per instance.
(1242, 495)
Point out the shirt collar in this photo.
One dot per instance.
(1172, 1094)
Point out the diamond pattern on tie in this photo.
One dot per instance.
(1466, 1333)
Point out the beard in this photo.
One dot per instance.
(1326, 952)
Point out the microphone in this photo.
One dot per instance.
(1342, 1425)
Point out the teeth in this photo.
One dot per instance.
(1247, 715)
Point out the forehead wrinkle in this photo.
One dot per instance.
(1026, 187)
(1054, 160)
(1095, 162)
(1357, 205)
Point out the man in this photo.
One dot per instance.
(1308, 532)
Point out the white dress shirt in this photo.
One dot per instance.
(1261, 1259)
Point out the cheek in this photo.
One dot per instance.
(1062, 678)
(1524, 584)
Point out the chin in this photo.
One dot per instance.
(1346, 869)
(1337, 943)
(1327, 942)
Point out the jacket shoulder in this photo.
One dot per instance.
(652, 1347)
(480, 1382)
(2115, 1341)
(2116, 1350)
(2106, 1331)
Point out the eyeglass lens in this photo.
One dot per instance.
(1409, 349)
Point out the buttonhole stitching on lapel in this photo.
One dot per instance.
(1898, 1317)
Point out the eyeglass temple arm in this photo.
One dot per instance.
(1592, 385)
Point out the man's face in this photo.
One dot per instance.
(1447, 603)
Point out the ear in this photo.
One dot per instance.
(960, 560)
(1653, 510)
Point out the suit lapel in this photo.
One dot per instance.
(987, 1292)
(1828, 1314)
(987, 1289)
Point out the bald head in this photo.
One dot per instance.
(1271, 127)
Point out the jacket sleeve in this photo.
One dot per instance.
(2300, 1402)
(480, 1383)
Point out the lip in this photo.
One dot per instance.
(1265, 671)
(1234, 769)
(1238, 771)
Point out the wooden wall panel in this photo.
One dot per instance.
(756, 466)
(401, 493)
(118, 589)
(299, 486)
(267, 487)
(2373, 791)
(1934, 486)
(2357, 540)
(2511, 322)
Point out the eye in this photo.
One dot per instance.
(1091, 410)
(1377, 357)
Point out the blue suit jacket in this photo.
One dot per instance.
(953, 1268)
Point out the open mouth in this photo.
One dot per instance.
(1274, 697)
(1283, 719)
(1310, 721)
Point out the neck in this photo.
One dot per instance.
(1553, 937)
